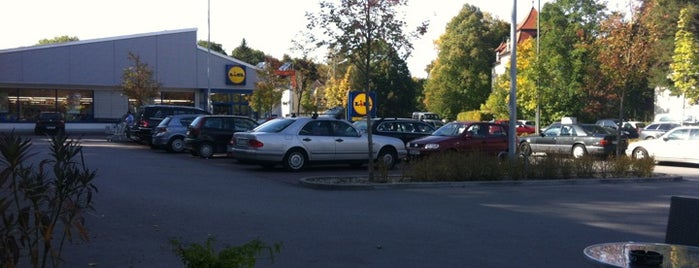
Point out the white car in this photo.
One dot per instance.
(680, 144)
(296, 142)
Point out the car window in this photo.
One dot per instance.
(566, 131)
(343, 129)
(185, 121)
(680, 134)
(552, 131)
(244, 124)
(694, 134)
(478, 130)
(274, 125)
(452, 129)
(422, 128)
(316, 128)
(496, 130)
(213, 122)
(667, 126)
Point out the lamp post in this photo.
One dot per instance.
(512, 137)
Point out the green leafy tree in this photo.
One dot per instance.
(395, 89)
(567, 32)
(306, 73)
(267, 93)
(351, 27)
(247, 54)
(213, 46)
(460, 79)
(58, 39)
(685, 62)
(336, 90)
(138, 83)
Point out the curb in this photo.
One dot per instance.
(328, 183)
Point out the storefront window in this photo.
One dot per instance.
(24, 105)
(230, 103)
(177, 98)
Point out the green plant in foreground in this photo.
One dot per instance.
(41, 206)
(205, 256)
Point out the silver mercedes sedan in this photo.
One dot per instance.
(297, 142)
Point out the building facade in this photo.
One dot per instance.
(82, 79)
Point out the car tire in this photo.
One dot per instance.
(388, 157)
(579, 151)
(525, 149)
(176, 145)
(206, 150)
(295, 160)
(639, 153)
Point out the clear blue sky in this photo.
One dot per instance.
(267, 25)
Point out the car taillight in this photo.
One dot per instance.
(143, 123)
(255, 144)
(604, 142)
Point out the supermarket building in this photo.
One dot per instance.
(82, 79)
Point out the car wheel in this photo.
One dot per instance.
(206, 150)
(525, 149)
(388, 157)
(295, 160)
(639, 153)
(175, 145)
(579, 151)
(650, 138)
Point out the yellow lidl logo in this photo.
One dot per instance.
(235, 74)
(359, 104)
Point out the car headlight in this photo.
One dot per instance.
(431, 146)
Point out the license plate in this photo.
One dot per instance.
(414, 152)
(50, 127)
(241, 142)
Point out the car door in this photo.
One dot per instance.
(565, 140)
(349, 145)
(496, 139)
(674, 146)
(317, 138)
(547, 142)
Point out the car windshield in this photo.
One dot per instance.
(274, 125)
(452, 129)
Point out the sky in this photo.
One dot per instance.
(266, 25)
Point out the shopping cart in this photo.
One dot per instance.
(118, 132)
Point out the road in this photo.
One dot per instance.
(148, 197)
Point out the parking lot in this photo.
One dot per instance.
(148, 197)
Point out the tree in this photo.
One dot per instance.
(306, 73)
(685, 61)
(395, 89)
(267, 93)
(352, 26)
(58, 39)
(138, 83)
(213, 46)
(460, 79)
(336, 90)
(247, 54)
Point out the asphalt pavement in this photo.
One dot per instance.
(148, 197)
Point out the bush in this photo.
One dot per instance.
(42, 206)
(452, 166)
(205, 256)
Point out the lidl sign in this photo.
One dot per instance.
(235, 75)
(358, 104)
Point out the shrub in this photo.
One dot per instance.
(205, 256)
(42, 206)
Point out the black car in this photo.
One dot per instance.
(210, 134)
(576, 140)
(149, 116)
(405, 129)
(50, 123)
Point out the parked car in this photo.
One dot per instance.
(297, 142)
(149, 116)
(429, 117)
(572, 139)
(655, 130)
(50, 123)
(210, 134)
(520, 127)
(628, 129)
(681, 144)
(170, 133)
(459, 136)
(405, 129)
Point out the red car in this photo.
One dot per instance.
(522, 129)
(485, 137)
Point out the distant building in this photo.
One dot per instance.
(82, 79)
(526, 29)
